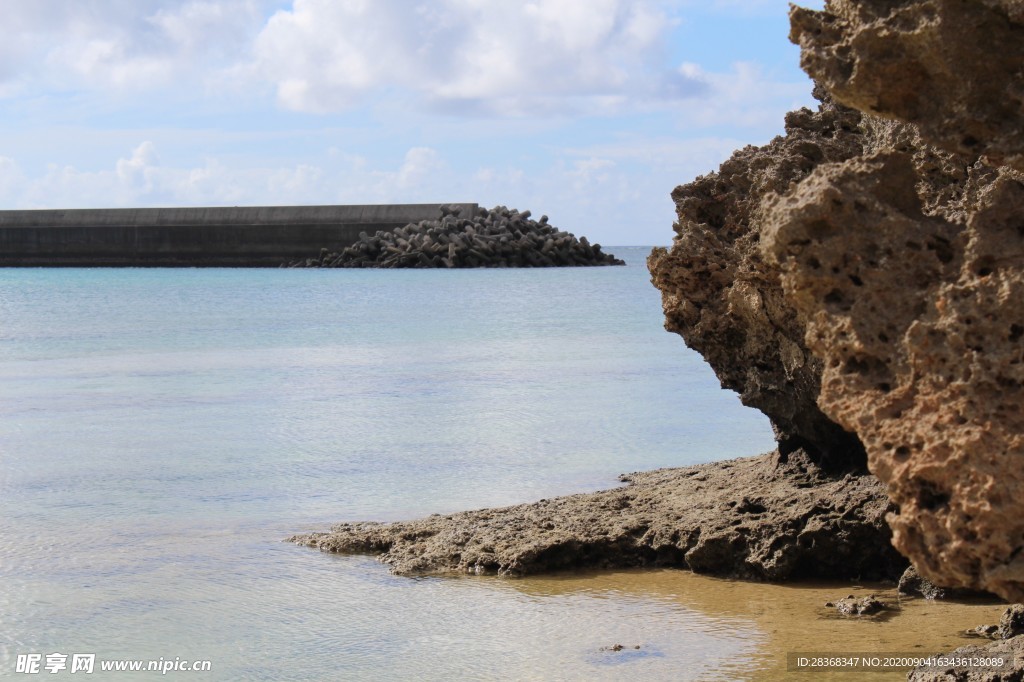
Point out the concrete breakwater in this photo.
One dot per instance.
(250, 236)
(496, 238)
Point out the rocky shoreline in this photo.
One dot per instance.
(494, 238)
(773, 518)
(769, 517)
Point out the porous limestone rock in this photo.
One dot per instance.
(913, 584)
(726, 301)
(911, 277)
(852, 606)
(898, 315)
(951, 67)
(919, 322)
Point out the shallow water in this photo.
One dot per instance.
(162, 430)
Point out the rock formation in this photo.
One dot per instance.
(913, 584)
(852, 606)
(913, 298)
(1011, 624)
(759, 518)
(726, 300)
(859, 280)
(918, 321)
(495, 238)
(950, 67)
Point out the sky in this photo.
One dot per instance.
(589, 111)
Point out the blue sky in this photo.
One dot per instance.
(590, 111)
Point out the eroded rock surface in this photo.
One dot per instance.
(726, 301)
(913, 584)
(951, 67)
(908, 266)
(919, 323)
(758, 518)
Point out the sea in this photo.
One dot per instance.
(162, 431)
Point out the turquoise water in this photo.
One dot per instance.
(162, 430)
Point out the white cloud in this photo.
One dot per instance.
(139, 179)
(747, 8)
(139, 170)
(537, 58)
(419, 164)
(675, 157)
(587, 174)
(12, 179)
(466, 55)
(746, 96)
(203, 26)
(122, 44)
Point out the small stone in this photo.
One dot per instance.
(986, 631)
(865, 606)
(1011, 623)
(913, 583)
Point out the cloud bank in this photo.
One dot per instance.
(472, 57)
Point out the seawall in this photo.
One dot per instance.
(249, 236)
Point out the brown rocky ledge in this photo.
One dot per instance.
(764, 517)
